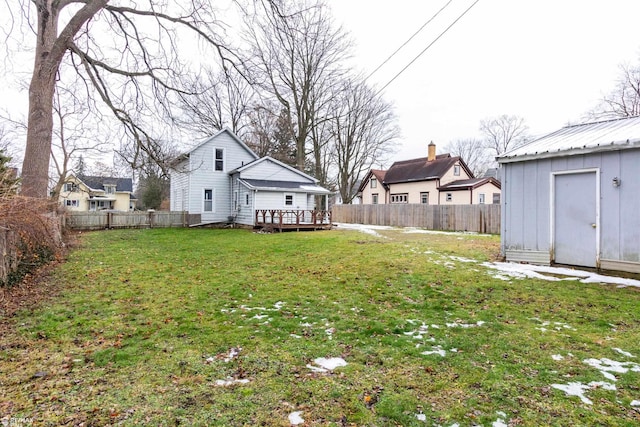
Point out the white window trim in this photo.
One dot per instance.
(424, 193)
(374, 182)
(375, 198)
(293, 200)
(456, 170)
(213, 198)
(448, 197)
(481, 198)
(224, 159)
(399, 198)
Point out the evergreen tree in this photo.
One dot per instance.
(8, 177)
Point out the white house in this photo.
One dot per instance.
(224, 181)
(571, 197)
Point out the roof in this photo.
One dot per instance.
(206, 140)
(465, 184)
(609, 135)
(294, 187)
(422, 170)
(378, 173)
(278, 162)
(98, 182)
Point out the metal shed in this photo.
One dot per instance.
(573, 197)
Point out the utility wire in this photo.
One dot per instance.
(426, 48)
(408, 40)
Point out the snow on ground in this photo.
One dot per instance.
(295, 418)
(327, 364)
(367, 229)
(579, 389)
(607, 366)
(230, 381)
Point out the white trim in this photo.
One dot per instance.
(552, 209)
(293, 200)
(271, 159)
(213, 198)
(224, 159)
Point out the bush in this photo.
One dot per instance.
(33, 236)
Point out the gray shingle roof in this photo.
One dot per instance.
(98, 182)
(421, 170)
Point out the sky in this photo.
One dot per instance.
(547, 61)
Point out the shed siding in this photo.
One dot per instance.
(526, 205)
(275, 200)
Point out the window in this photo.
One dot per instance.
(219, 159)
(109, 189)
(399, 198)
(288, 200)
(449, 197)
(374, 198)
(481, 198)
(72, 203)
(208, 200)
(456, 170)
(70, 187)
(424, 198)
(496, 198)
(246, 199)
(374, 183)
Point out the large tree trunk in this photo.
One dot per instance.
(50, 49)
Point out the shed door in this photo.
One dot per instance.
(575, 240)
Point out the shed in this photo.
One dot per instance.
(572, 197)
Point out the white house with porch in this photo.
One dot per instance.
(224, 181)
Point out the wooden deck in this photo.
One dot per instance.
(290, 220)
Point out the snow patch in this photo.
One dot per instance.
(295, 418)
(606, 366)
(557, 357)
(436, 350)
(622, 352)
(327, 364)
(578, 389)
(421, 417)
(230, 381)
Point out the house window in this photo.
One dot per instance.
(456, 170)
(399, 198)
(288, 200)
(208, 200)
(496, 198)
(72, 203)
(374, 183)
(70, 187)
(374, 198)
(424, 198)
(481, 198)
(109, 189)
(219, 159)
(449, 197)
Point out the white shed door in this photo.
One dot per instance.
(575, 219)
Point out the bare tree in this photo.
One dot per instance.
(271, 134)
(297, 57)
(363, 129)
(474, 152)
(624, 99)
(134, 71)
(223, 100)
(503, 133)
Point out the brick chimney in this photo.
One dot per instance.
(432, 152)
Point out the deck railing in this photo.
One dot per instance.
(282, 218)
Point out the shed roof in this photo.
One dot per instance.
(421, 170)
(609, 135)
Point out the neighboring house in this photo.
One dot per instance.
(96, 193)
(223, 180)
(571, 197)
(372, 190)
(436, 180)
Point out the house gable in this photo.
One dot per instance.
(271, 169)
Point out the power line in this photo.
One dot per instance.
(426, 48)
(408, 40)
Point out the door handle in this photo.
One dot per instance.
(593, 226)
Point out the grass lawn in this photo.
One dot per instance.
(230, 328)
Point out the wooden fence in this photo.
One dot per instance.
(473, 218)
(9, 251)
(151, 219)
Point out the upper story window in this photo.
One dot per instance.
(456, 170)
(70, 187)
(374, 198)
(110, 189)
(219, 159)
(374, 183)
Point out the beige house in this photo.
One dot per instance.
(94, 193)
(436, 180)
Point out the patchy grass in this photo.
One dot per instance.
(226, 327)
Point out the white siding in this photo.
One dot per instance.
(244, 212)
(272, 171)
(275, 200)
